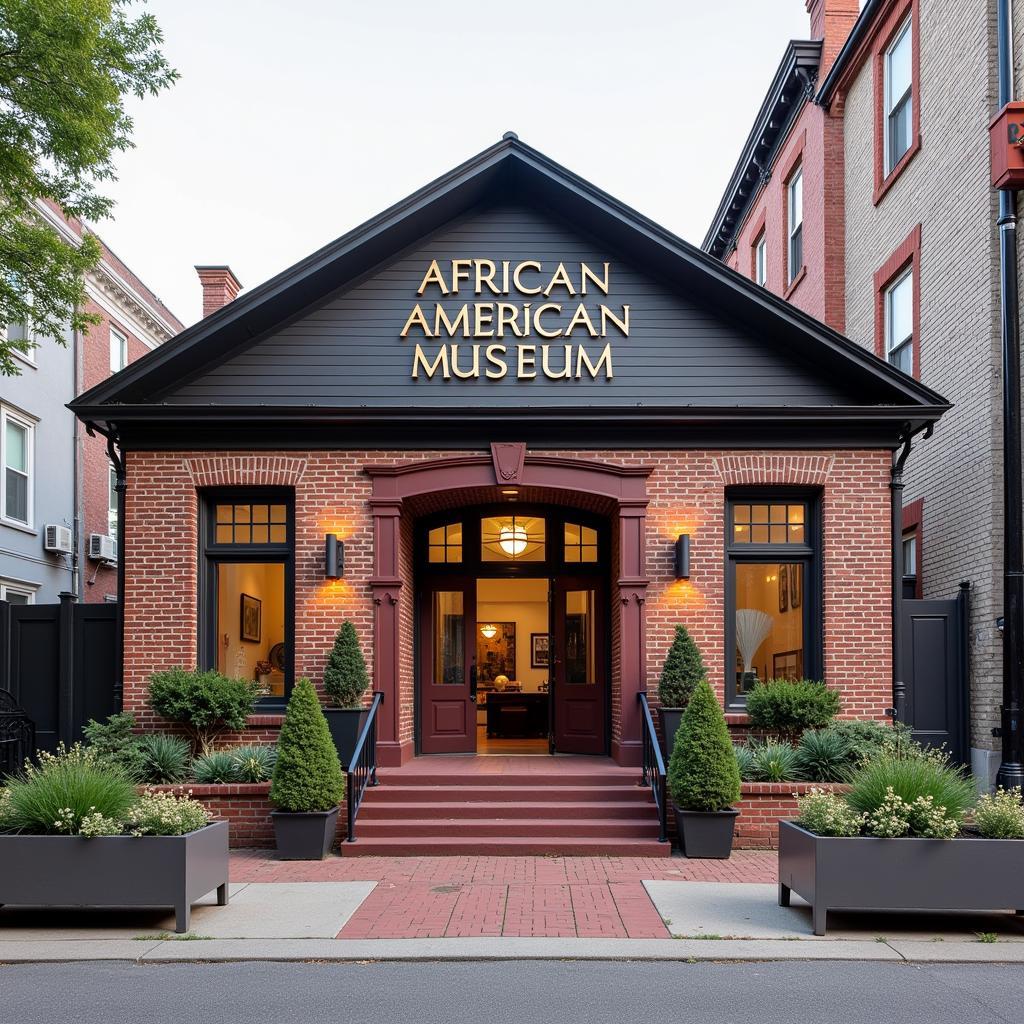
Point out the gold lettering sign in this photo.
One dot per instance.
(510, 335)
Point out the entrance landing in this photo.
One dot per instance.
(569, 805)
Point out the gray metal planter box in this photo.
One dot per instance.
(867, 873)
(116, 871)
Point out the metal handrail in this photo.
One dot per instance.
(362, 768)
(654, 774)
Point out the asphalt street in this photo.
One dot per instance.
(510, 992)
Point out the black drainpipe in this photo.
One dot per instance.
(1011, 770)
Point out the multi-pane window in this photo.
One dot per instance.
(899, 322)
(760, 260)
(444, 544)
(16, 444)
(910, 553)
(118, 350)
(771, 592)
(580, 543)
(249, 589)
(795, 224)
(899, 98)
(13, 593)
(258, 523)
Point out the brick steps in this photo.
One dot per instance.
(598, 812)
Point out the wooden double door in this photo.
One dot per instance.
(577, 665)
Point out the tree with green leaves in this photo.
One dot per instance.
(66, 68)
(345, 677)
(682, 671)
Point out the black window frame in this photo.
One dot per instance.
(212, 554)
(809, 554)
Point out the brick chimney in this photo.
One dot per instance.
(220, 286)
(831, 21)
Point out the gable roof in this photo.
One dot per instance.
(508, 168)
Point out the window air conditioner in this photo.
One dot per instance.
(57, 538)
(102, 548)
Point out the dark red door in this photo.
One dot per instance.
(578, 666)
(447, 667)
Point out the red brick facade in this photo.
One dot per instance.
(686, 493)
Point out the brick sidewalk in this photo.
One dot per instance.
(440, 897)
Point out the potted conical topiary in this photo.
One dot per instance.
(308, 784)
(345, 682)
(703, 778)
(682, 671)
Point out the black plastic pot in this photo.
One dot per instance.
(670, 719)
(345, 724)
(116, 871)
(706, 834)
(304, 835)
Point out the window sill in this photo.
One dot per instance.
(737, 718)
(265, 720)
(792, 286)
(887, 182)
(22, 358)
(13, 524)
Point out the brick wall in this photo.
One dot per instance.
(687, 494)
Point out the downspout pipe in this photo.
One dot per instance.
(1011, 730)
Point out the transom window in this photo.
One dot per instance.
(899, 322)
(445, 543)
(757, 523)
(899, 99)
(795, 218)
(251, 524)
(580, 543)
(512, 539)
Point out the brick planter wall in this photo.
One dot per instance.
(761, 806)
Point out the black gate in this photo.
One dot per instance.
(59, 663)
(935, 668)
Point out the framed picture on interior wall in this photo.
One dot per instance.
(788, 665)
(251, 625)
(795, 586)
(496, 653)
(783, 589)
(539, 644)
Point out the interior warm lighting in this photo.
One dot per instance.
(510, 491)
(512, 540)
(488, 631)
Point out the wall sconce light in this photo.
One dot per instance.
(683, 557)
(334, 557)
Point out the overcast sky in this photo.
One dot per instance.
(295, 121)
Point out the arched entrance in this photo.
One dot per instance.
(404, 493)
(512, 638)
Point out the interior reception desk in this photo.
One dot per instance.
(517, 715)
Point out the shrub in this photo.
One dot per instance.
(205, 702)
(867, 739)
(744, 762)
(217, 766)
(1000, 815)
(824, 755)
(774, 762)
(166, 814)
(703, 774)
(255, 763)
(682, 671)
(828, 814)
(345, 677)
(789, 706)
(57, 795)
(165, 758)
(307, 776)
(115, 742)
(925, 791)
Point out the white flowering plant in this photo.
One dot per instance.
(1000, 815)
(827, 814)
(166, 814)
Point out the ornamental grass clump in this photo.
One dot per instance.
(824, 755)
(827, 814)
(745, 762)
(786, 707)
(64, 791)
(255, 762)
(682, 671)
(1000, 815)
(307, 776)
(774, 762)
(216, 767)
(703, 774)
(345, 677)
(206, 703)
(165, 758)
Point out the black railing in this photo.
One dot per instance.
(362, 769)
(654, 767)
(17, 736)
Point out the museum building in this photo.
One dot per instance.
(516, 432)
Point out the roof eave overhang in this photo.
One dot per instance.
(849, 56)
(791, 88)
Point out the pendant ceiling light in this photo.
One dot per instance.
(488, 631)
(512, 540)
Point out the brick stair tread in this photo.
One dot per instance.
(564, 810)
(512, 846)
(625, 777)
(630, 828)
(525, 794)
